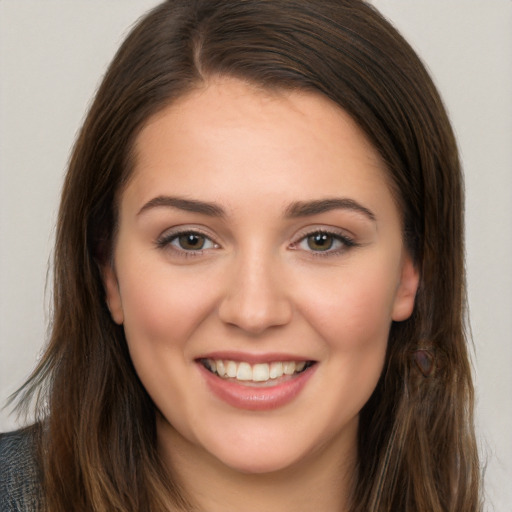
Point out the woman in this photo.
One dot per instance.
(259, 287)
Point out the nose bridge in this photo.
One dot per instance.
(255, 298)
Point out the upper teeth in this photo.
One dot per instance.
(259, 372)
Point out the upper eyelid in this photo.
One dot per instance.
(329, 230)
(171, 233)
(183, 229)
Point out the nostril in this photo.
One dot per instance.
(255, 316)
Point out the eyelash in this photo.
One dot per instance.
(166, 242)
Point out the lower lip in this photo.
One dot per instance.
(255, 398)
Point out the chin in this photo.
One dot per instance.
(260, 453)
(260, 463)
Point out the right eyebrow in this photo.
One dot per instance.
(180, 203)
(310, 208)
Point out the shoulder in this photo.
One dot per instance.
(19, 472)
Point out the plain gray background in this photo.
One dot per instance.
(52, 56)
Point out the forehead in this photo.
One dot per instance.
(231, 134)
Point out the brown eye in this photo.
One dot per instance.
(191, 241)
(325, 243)
(320, 241)
(186, 242)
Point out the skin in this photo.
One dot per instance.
(258, 287)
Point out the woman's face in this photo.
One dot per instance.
(257, 269)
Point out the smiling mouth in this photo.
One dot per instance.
(255, 374)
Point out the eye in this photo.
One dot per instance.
(320, 241)
(324, 242)
(191, 242)
(186, 241)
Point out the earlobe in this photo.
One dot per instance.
(406, 292)
(112, 294)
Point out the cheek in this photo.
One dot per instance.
(163, 306)
(352, 311)
(161, 310)
(353, 318)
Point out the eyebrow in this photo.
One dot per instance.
(189, 205)
(294, 210)
(308, 208)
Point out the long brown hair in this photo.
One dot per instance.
(417, 449)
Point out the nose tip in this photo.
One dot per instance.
(255, 300)
(253, 319)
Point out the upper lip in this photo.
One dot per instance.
(253, 358)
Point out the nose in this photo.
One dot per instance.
(255, 298)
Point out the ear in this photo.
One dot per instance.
(113, 295)
(403, 304)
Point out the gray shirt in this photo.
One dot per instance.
(19, 474)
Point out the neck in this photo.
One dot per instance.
(321, 481)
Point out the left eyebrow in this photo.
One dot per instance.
(180, 203)
(308, 208)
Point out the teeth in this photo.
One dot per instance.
(300, 366)
(276, 370)
(231, 369)
(221, 369)
(289, 368)
(244, 371)
(260, 372)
